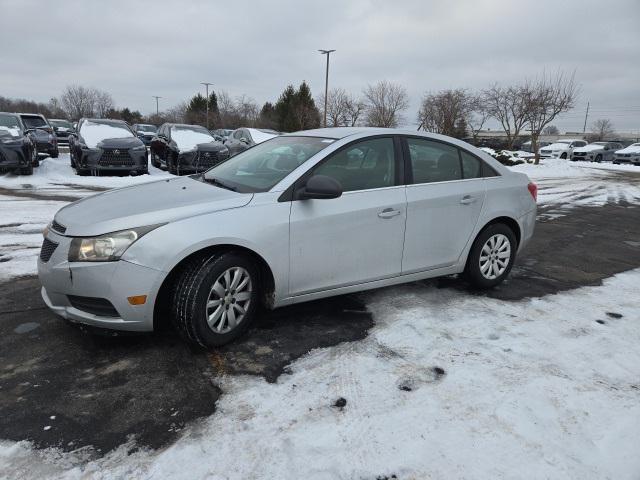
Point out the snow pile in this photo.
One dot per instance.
(259, 136)
(187, 139)
(508, 157)
(447, 385)
(94, 133)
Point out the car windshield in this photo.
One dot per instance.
(9, 125)
(61, 123)
(186, 137)
(599, 143)
(146, 128)
(34, 122)
(260, 168)
(93, 132)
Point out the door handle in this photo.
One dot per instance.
(388, 213)
(468, 200)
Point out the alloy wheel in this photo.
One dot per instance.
(228, 300)
(495, 256)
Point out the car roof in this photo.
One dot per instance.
(10, 113)
(185, 125)
(105, 121)
(31, 115)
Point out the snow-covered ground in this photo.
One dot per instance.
(531, 389)
(446, 385)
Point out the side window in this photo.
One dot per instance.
(471, 166)
(363, 165)
(433, 161)
(237, 134)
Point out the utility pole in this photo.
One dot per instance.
(326, 83)
(584, 129)
(157, 109)
(206, 84)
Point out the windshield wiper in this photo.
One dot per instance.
(219, 183)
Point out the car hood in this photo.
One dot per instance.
(128, 142)
(589, 148)
(630, 149)
(557, 146)
(147, 204)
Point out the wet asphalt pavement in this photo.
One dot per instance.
(61, 386)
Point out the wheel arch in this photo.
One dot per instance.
(162, 302)
(509, 222)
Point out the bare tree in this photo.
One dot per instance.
(385, 102)
(175, 114)
(447, 112)
(103, 103)
(551, 130)
(602, 129)
(247, 110)
(354, 109)
(544, 99)
(506, 104)
(78, 101)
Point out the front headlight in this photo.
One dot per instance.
(11, 142)
(106, 248)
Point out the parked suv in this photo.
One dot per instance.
(107, 146)
(46, 140)
(561, 148)
(182, 148)
(17, 145)
(299, 217)
(62, 129)
(596, 152)
(630, 154)
(244, 138)
(145, 132)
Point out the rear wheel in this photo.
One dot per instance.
(563, 156)
(491, 256)
(215, 298)
(28, 170)
(154, 160)
(598, 158)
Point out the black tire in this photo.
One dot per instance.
(190, 294)
(28, 170)
(171, 166)
(598, 158)
(473, 271)
(35, 161)
(83, 172)
(154, 160)
(55, 154)
(563, 156)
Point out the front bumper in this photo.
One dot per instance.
(13, 158)
(105, 160)
(47, 147)
(112, 281)
(634, 160)
(199, 161)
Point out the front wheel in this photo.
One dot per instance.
(563, 156)
(215, 298)
(491, 256)
(154, 160)
(598, 158)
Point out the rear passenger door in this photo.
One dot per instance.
(445, 194)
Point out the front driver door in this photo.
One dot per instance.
(359, 236)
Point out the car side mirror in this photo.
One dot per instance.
(244, 140)
(320, 187)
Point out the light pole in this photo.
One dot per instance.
(206, 84)
(326, 83)
(157, 109)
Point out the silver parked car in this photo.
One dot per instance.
(596, 152)
(299, 217)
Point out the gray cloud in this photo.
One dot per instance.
(138, 49)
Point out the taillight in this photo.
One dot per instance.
(533, 190)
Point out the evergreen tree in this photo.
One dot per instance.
(284, 110)
(296, 109)
(268, 116)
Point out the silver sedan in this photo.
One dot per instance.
(299, 217)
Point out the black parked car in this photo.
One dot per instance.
(62, 128)
(46, 140)
(102, 145)
(145, 132)
(186, 149)
(244, 138)
(17, 145)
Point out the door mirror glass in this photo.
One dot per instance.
(320, 187)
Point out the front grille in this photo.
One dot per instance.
(579, 154)
(96, 306)
(2, 157)
(57, 227)
(117, 157)
(48, 247)
(545, 151)
(208, 159)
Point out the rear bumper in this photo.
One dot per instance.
(527, 226)
(112, 281)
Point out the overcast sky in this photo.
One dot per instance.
(136, 49)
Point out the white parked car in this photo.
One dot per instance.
(596, 152)
(561, 148)
(630, 154)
